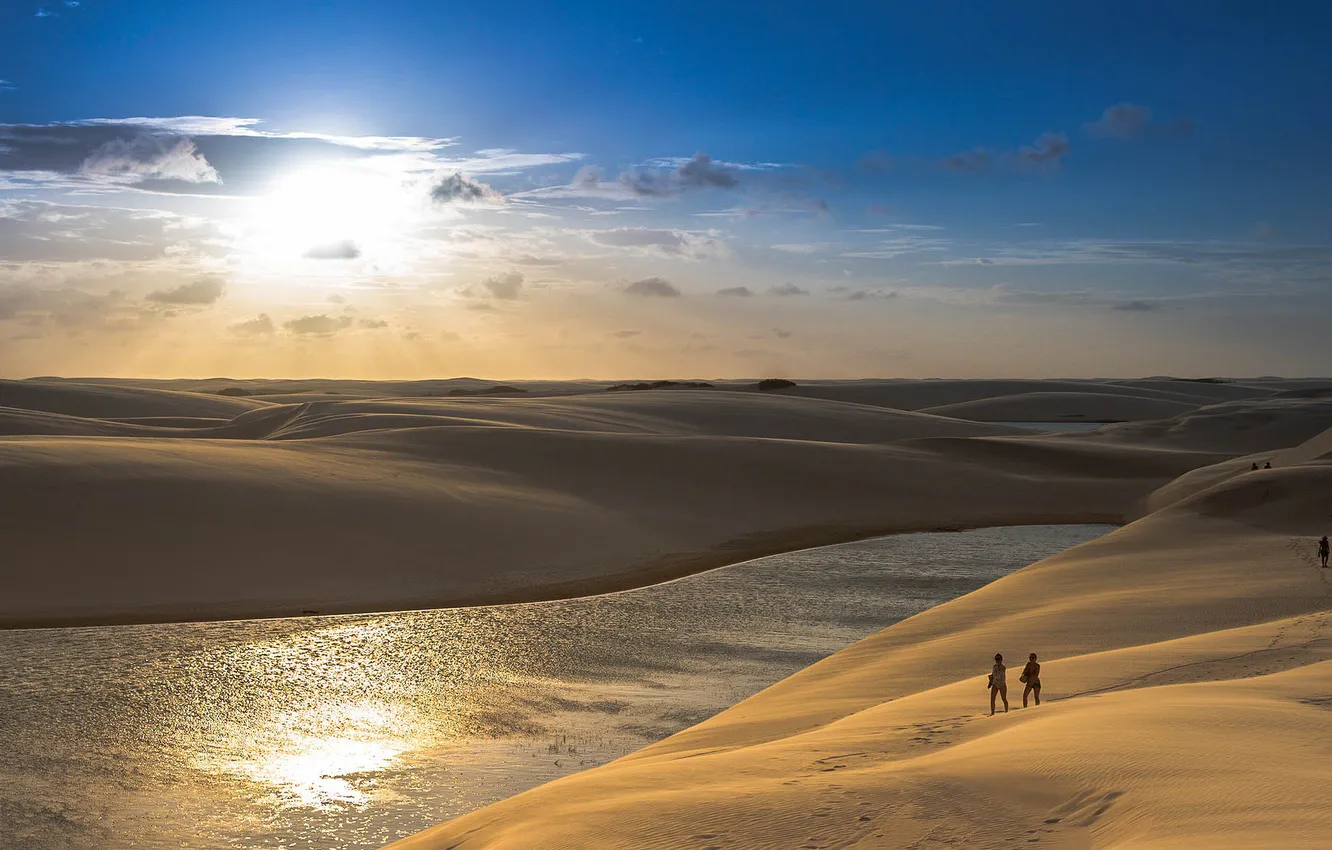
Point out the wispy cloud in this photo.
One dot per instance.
(1129, 121)
(505, 287)
(662, 242)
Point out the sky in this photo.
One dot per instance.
(626, 190)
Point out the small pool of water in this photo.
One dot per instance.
(352, 731)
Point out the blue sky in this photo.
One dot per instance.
(1090, 188)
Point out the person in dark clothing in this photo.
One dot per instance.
(1322, 550)
(1253, 468)
(1031, 677)
(1267, 465)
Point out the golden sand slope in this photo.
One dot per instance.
(1188, 671)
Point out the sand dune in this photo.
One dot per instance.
(1064, 406)
(1188, 671)
(371, 504)
(1241, 427)
(918, 395)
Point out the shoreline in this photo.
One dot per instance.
(670, 568)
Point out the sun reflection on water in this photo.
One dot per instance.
(322, 758)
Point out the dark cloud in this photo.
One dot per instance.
(459, 188)
(1049, 148)
(320, 325)
(880, 210)
(372, 324)
(652, 287)
(260, 325)
(701, 172)
(344, 249)
(1137, 306)
(786, 290)
(1045, 152)
(781, 334)
(697, 172)
(205, 290)
(736, 292)
(626, 334)
(868, 294)
(506, 287)
(588, 177)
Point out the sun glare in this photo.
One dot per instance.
(323, 217)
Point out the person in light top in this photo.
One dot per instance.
(998, 683)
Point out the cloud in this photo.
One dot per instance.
(626, 334)
(1045, 152)
(372, 324)
(702, 173)
(205, 290)
(1121, 121)
(458, 188)
(675, 243)
(735, 292)
(588, 177)
(66, 307)
(652, 287)
(976, 159)
(787, 290)
(1049, 148)
(260, 325)
(43, 12)
(868, 294)
(506, 287)
(320, 325)
(1264, 230)
(6, 85)
(342, 250)
(150, 157)
(781, 334)
(880, 210)
(1137, 306)
(697, 172)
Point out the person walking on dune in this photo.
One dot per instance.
(1322, 550)
(1031, 677)
(998, 683)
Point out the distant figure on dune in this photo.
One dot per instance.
(1322, 550)
(998, 683)
(1031, 677)
(1267, 465)
(1253, 468)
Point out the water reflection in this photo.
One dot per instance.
(349, 732)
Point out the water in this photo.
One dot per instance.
(352, 731)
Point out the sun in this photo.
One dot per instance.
(325, 217)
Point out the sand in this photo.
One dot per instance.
(1187, 663)
(1188, 656)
